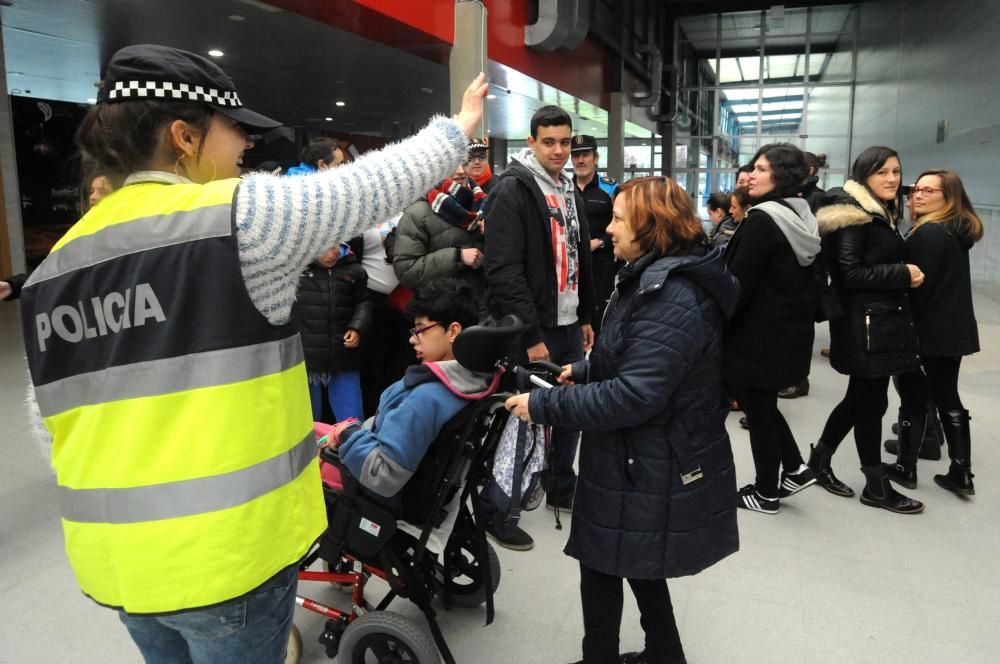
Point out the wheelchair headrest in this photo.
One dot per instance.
(480, 347)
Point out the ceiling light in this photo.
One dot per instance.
(329, 119)
(491, 96)
(341, 103)
(216, 53)
(236, 17)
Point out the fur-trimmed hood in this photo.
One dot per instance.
(853, 205)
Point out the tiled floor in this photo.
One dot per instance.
(826, 580)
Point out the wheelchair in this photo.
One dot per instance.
(429, 540)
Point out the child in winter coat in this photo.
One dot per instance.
(333, 314)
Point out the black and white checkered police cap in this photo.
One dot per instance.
(161, 73)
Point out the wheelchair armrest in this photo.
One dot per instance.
(331, 454)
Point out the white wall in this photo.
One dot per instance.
(923, 61)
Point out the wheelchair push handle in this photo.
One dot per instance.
(538, 373)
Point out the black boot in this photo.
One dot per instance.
(819, 462)
(930, 446)
(904, 471)
(930, 443)
(956, 432)
(879, 493)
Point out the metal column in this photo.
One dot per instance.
(11, 229)
(616, 136)
(468, 55)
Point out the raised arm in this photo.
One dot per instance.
(284, 222)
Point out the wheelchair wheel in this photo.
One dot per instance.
(294, 652)
(467, 588)
(382, 637)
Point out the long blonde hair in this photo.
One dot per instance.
(957, 213)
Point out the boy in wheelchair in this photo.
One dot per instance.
(414, 410)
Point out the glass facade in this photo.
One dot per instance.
(752, 78)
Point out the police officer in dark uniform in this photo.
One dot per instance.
(597, 194)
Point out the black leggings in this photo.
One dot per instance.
(602, 598)
(862, 409)
(939, 386)
(771, 441)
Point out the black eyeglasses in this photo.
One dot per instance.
(417, 331)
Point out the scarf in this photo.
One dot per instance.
(485, 177)
(458, 204)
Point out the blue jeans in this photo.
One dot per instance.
(344, 393)
(252, 629)
(565, 344)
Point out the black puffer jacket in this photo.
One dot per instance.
(651, 412)
(331, 301)
(866, 257)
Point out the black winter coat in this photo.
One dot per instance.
(329, 302)
(942, 306)
(769, 340)
(866, 257)
(651, 413)
(520, 269)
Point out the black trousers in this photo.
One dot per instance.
(602, 598)
(862, 409)
(771, 441)
(939, 386)
(386, 352)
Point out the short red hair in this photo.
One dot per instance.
(662, 216)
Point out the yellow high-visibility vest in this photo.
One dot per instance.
(180, 418)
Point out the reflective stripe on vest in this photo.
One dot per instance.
(196, 496)
(181, 424)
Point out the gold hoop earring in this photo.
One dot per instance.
(215, 168)
(178, 163)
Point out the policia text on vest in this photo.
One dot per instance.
(101, 316)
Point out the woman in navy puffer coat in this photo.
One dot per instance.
(657, 488)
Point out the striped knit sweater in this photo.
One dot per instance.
(282, 223)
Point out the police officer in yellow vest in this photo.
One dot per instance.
(163, 366)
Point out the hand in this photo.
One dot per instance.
(352, 338)
(5, 290)
(471, 114)
(538, 352)
(518, 406)
(595, 244)
(566, 377)
(336, 435)
(588, 336)
(472, 257)
(916, 275)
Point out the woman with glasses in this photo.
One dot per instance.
(874, 338)
(944, 229)
(769, 340)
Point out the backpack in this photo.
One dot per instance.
(522, 452)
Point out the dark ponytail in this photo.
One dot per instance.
(122, 138)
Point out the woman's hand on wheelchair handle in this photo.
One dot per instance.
(518, 406)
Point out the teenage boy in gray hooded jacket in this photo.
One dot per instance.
(538, 268)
